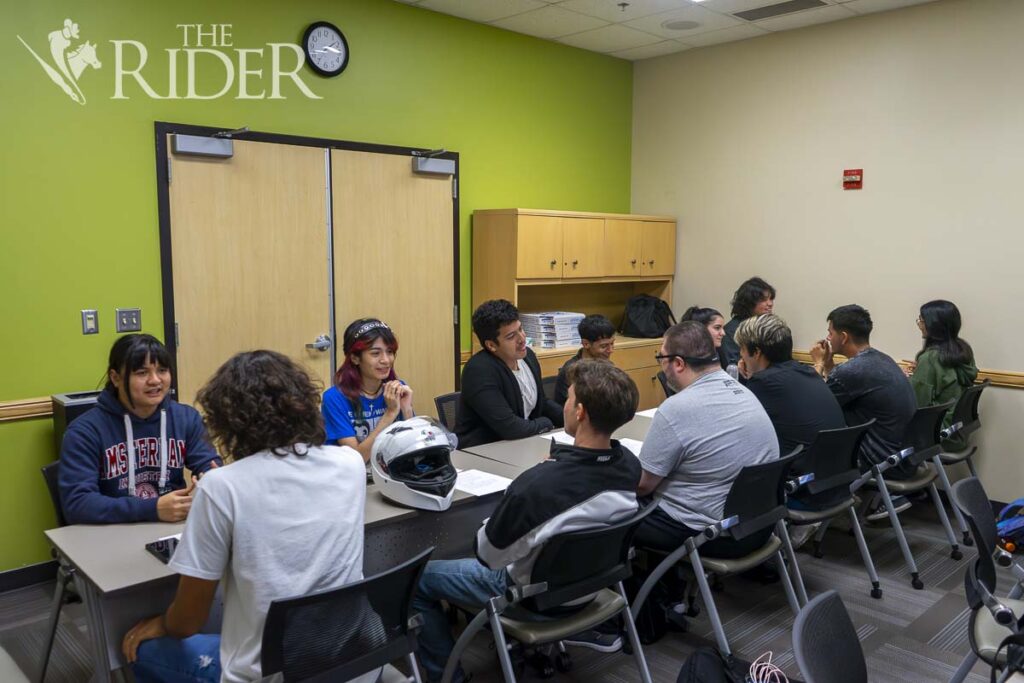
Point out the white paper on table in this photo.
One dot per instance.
(647, 413)
(477, 483)
(559, 437)
(176, 537)
(633, 445)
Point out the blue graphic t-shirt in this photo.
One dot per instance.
(341, 420)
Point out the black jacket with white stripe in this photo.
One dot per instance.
(578, 488)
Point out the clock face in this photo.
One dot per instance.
(326, 49)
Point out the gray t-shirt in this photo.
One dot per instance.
(699, 441)
(273, 527)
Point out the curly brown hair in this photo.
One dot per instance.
(262, 400)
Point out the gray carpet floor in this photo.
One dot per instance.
(907, 636)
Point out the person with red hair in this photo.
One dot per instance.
(367, 396)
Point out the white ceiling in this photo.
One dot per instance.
(638, 29)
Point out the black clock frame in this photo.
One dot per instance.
(305, 48)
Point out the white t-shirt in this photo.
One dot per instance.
(528, 387)
(273, 527)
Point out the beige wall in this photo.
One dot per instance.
(746, 142)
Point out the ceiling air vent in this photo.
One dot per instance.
(778, 9)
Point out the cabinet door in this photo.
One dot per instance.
(538, 247)
(582, 247)
(651, 393)
(659, 248)
(622, 247)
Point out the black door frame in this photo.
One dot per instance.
(162, 129)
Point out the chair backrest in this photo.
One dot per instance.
(548, 384)
(970, 498)
(669, 391)
(832, 458)
(342, 633)
(825, 642)
(758, 497)
(50, 476)
(966, 409)
(923, 432)
(578, 563)
(448, 409)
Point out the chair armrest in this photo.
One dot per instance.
(1002, 558)
(893, 460)
(711, 532)
(1001, 613)
(951, 429)
(793, 485)
(516, 594)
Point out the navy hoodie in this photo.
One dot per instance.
(94, 460)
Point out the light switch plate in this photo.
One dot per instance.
(129, 319)
(90, 321)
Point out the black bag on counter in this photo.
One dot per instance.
(646, 316)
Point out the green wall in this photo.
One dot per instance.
(537, 124)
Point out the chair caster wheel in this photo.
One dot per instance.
(968, 541)
(563, 662)
(917, 583)
(541, 665)
(876, 593)
(956, 554)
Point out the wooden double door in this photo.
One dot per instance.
(281, 245)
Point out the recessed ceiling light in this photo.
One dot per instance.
(680, 25)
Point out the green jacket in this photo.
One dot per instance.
(935, 383)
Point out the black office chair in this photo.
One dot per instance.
(825, 642)
(669, 391)
(341, 633)
(965, 422)
(831, 463)
(64, 593)
(448, 409)
(756, 502)
(920, 445)
(986, 631)
(549, 387)
(571, 566)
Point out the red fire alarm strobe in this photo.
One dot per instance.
(853, 178)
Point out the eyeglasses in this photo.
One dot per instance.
(668, 356)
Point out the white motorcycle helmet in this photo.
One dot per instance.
(411, 463)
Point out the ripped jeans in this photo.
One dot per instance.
(168, 660)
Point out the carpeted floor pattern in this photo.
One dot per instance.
(907, 636)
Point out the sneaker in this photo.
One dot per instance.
(879, 511)
(595, 640)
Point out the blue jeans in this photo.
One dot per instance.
(466, 582)
(168, 660)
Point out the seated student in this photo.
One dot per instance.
(699, 440)
(715, 324)
(597, 335)
(124, 460)
(589, 484)
(285, 518)
(367, 396)
(754, 297)
(792, 394)
(944, 367)
(502, 395)
(868, 385)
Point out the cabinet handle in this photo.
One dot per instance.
(574, 263)
(633, 262)
(651, 262)
(553, 262)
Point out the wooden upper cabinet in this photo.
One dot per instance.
(622, 247)
(658, 248)
(539, 247)
(582, 247)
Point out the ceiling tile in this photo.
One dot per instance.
(665, 47)
(726, 35)
(733, 6)
(481, 10)
(706, 20)
(611, 38)
(807, 17)
(609, 10)
(868, 6)
(549, 22)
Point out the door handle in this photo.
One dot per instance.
(321, 343)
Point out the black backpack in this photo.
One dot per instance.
(706, 665)
(646, 316)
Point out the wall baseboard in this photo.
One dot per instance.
(29, 575)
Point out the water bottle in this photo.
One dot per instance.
(733, 371)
